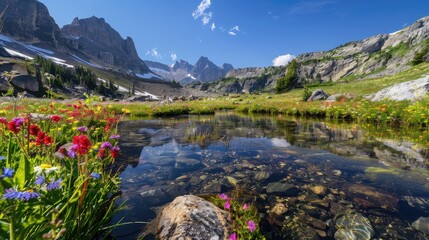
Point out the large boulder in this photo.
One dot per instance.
(319, 94)
(411, 90)
(191, 217)
(26, 82)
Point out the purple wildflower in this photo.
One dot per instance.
(115, 136)
(18, 121)
(227, 205)
(106, 145)
(233, 236)
(82, 129)
(223, 196)
(251, 225)
(54, 185)
(245, 206)
(72, 152)
(25, 196)
(95, 175)
(40, 180)
(2, 158)
(7, 173)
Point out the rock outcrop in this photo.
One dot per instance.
(97, 39)
(411, 90)
(191, 217)
(29, 21)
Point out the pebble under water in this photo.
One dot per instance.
(309, 179)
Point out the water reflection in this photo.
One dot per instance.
(382, 177)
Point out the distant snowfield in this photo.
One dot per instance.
(192, 77)
(137, 93)
(17, 54)
(148, 76)
(78, 59)
(395, 32)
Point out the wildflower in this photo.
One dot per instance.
(45, 168)
(71, 153)
(245, 206)
(15, 125)
(81, 144)
(82, 129)
(115, 136)
(233, 236)
(227, 205)
(54, 185)
(40, 180)
(251, 225)
(95, 175)
(55, 118)
(3, 120)
(102, 153)
(29, 194)
(114, 152)
(106, 145)
(34, 130)
(25, 195)
(223, 196)
(126, 110)
(7, 173)
(2, 158)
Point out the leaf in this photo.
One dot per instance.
(24, 172)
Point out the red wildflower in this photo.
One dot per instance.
(48, 140)
(114, 152)
(63, 151)
(82, 144)
(40, 140)
(102, 153)
(55, 118)
(13, 126)
(3, 120)
(34, 130)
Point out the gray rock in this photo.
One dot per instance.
(262, 175)
(188, 163)
(282, 189)
(422, 225)
(4, 85)
(25, 82)
(191, 217)
(412, 90)
(318, 94)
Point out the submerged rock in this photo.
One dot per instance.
(297, 230)
(419, 203)
(369, 197)
(191, 217)
(318, 189)
(422, 225)
(353, 226)
(282, 189)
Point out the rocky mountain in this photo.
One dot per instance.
(182, 71)
(29, 21)
(380, 55)
(103, 44)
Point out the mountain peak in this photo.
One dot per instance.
(104, 44)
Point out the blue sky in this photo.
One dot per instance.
(245, 32)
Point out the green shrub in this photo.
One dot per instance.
(287, 82)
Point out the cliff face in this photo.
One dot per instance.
(28, 21)
(97, 39)
(380, 55)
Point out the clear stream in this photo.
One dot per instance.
(308, 178)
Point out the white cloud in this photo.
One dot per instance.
(206, 18)
(173, 56)
(213, 27)
(154, 53)
(201, 12)
(283, 60)
(234, 30)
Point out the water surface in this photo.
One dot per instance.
(363, 172)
